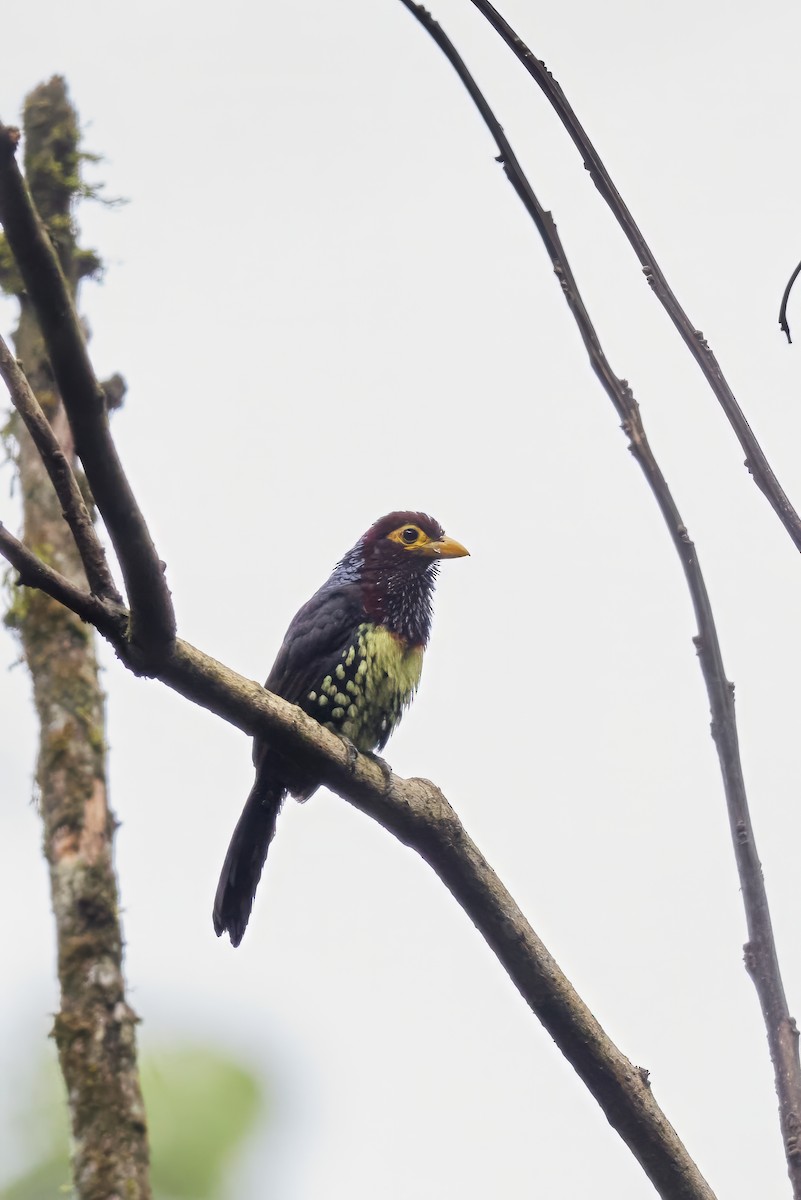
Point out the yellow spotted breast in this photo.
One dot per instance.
(384, 674)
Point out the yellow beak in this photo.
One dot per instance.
(445, 548)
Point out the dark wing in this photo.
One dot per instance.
(313, 646)
(315, 641)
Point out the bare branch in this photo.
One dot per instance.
(416, 812)
(152, 617)
(93, 556)
(761, 955)
(755, 461)
(107, 617)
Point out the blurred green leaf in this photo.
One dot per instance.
(46, 1180)
(200, 1105)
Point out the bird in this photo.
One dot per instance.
(351, 658)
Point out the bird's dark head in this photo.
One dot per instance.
(396, 562)
(409, 538)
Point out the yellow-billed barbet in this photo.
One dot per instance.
(351, 658)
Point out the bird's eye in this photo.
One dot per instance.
(409, 535)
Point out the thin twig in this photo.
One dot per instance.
(755, 461)
(783, 323)
(152, 617)
(416, 812)
(761, 956)
(76, 514)
(108, 618)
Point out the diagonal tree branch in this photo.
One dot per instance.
(109, 619)
(694, 340)
(760, 955)
(152, 617)
(417, 813)
(75, 512)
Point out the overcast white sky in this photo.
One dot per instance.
(328, 303)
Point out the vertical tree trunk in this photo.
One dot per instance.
(95, 1027)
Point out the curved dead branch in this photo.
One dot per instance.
(784, 324)
(756, 461)
(761, 956)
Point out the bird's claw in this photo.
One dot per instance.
(351, 750)
(386, 769)
(353, 754)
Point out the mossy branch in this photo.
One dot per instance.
(95, 1028)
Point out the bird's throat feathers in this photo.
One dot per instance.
(397, 591)
(401, 603)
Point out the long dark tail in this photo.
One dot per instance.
(245, 859)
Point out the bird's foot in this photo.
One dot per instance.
(351, 750)
(353, 754)
(386, 769)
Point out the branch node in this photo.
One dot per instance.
(792, 1136)
(749, 958)
(9, 140)
(114, 389)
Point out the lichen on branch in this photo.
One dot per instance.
(95, 1028)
